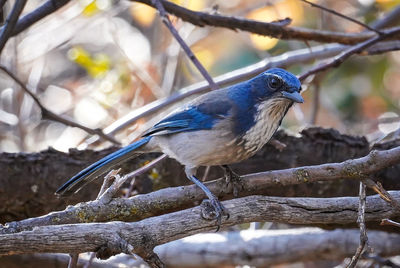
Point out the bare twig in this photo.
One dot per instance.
(47, 114)
(11, 21)
(378, 188)
(338, 60)
(39, 13)
(280, 247)
(390, 222)
(361, 224)
(341, 16)
(112, 189)
(159, 5)
(272, 29)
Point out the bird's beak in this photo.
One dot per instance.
(294, 96)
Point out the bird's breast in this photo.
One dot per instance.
(268, 117)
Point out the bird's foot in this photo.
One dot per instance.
(214, 210)
(234, 179)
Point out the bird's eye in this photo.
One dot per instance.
(274, 83)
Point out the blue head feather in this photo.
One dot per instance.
(249, 94)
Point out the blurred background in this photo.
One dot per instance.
(96, 61)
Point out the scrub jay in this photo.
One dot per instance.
(221, 127)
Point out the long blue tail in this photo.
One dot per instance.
(105, 164)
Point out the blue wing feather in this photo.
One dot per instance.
(198, 115)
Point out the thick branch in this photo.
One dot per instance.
(38, 175)
(150, 232)
(173, 199)
(263, 248)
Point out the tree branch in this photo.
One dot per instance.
(39, 13)
(173, 199)
(11, 21)
(150, 232)
(341, 16)
(338, 60)
(275, 30)
(264, 248)
(159, 6)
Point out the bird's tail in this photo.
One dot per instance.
(105, 164)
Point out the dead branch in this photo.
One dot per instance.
(361, 223)
(263, 248)
(139, 237)
(165, 19)
(275, 30)
(338, 60)
(342, 16)
(172, 199)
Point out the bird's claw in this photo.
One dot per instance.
(214, 210)
(236, 181)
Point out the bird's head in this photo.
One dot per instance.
(276, 83)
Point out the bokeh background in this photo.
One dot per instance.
(96, 61)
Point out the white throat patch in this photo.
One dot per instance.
(269, 114)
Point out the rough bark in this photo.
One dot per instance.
(29, 180)
(178, 198)
(140, 237)
(263, 248)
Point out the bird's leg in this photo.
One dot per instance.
(232, 177)
(218, 209)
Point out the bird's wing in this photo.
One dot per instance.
(201, 113)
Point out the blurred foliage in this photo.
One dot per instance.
(95, 61)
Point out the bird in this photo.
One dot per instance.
(218, 128)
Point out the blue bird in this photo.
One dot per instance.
(221, 127)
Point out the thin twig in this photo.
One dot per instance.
(378, 188)
(338, 60)
(47, 114)
(342, 16)
(183, 44)
(361, 224)
(11, 21)
(390, 222)
(49, 7)
(111, 189)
